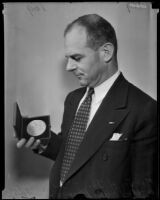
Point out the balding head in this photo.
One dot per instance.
(98, 31)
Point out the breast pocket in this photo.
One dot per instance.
(116, 150)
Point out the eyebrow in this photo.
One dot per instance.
(74, 55)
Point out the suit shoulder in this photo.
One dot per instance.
(139, 97)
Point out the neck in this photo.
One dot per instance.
(111, 69)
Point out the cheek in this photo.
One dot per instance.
(86, 68)
(90, 67)
(94, 69)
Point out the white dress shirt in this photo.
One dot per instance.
(99, 93)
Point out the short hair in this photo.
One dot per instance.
(99, 31)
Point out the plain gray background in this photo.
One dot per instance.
(35, 73)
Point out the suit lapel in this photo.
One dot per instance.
(113, 108)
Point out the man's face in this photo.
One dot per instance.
(85, 63)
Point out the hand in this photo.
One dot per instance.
(31, 143)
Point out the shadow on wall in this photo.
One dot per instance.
(27, 164)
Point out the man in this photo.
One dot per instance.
(106, 147)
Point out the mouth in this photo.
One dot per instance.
(79, 76)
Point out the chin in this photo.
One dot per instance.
(83, 84)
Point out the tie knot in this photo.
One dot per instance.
(90, 91)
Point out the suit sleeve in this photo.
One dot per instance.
(54, 144)
(143, 153)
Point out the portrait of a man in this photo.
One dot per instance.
(107, 143)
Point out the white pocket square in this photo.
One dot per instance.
(115, 136)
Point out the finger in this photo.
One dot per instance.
(29, 142)
(36, 144)
(21, 143)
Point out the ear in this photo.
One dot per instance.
(107, 51)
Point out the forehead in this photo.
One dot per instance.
(75, 39)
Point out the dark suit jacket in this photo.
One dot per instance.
(104, 168)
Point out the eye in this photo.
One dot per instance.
(77, 58)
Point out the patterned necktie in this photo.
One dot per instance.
(76, 134)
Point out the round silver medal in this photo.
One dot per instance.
(36, 127)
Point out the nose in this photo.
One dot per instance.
(71, 65)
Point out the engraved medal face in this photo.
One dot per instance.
(36, 127)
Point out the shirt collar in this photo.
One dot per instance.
(101, 90)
